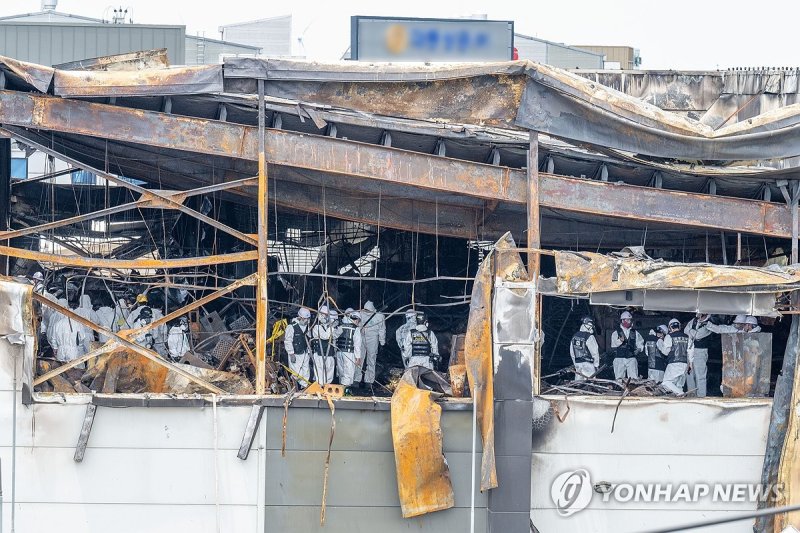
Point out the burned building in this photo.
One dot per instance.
(488, 195)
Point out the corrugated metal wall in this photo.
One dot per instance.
(201, 51)
(51, 44)
(567, 57)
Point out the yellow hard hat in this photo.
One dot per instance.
(141, 299)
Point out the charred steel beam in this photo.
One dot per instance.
(337, 156)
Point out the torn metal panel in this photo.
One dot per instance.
(584, 273)
(201, 79)
(563, 105)
(144, 59)
(479, 345)
(746, 364)
(27, 76)
(294, 70)
(423, 477)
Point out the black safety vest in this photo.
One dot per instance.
(345, 341)
(322, 347)
(655, 359)
(704, 343)
(299, 342)
(579, 350)
(627, 349)
(680, 348)
(420, 344)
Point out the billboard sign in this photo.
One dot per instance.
(419, 39)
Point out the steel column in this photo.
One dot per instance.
(262, 303)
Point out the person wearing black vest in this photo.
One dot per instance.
(702, 339)
(295, 340)
(679, 359)
(584, 350)
(350, 348)
(626, 343)
(656, 360)
(420, 344)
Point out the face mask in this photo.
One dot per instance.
(626, 323)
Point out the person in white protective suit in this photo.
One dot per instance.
(420, 346)
(400, 334)
(741, 324)
(47, 312)
(141, 303)
(144, 339)
(86, 310)
(584, 350)
(160, 334)
(374, 329)
(350, 349)
(679, 358)
(66, 337)
(121, 313)
(105, 319)
(626, 343)
(323, 346)
(296, 342)
(697, 330)
(56, 317)
(178, 339)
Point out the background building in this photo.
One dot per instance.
(201, 50)
(616, 57)
(272, 35)
(556, 54)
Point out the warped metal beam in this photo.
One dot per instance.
(94, 262)
(153, 356)
(168, 203)
(383, 164)
(133, 333)
(144, 203)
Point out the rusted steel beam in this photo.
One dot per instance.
(338, 156)
(153, 356)
(93, 262)
(262, 302)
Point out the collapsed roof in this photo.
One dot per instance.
(437, 149)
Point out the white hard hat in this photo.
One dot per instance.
(333, 313)
(625, 314)
(348, 310)
(751, 320)
(663, 329)
(323, 310)
(674, 321)
(38, 275)
(354, 315)
(304, 313)
(410, 313)
(740, 319)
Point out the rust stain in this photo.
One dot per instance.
(423, 478)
